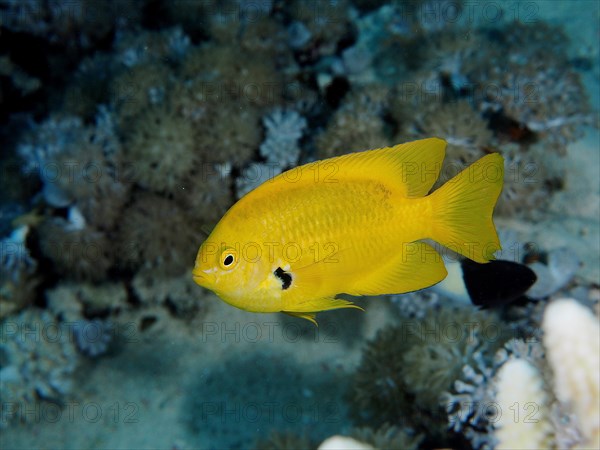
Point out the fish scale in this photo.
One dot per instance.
(342, 211)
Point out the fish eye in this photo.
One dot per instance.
(228, 259)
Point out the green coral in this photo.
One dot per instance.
(156, 235)
(406, 369)
(160, 145)
(388, 437)
(80, 253)
(358, 124)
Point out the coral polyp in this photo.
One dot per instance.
(160, 149)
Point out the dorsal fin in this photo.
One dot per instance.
(412, 168)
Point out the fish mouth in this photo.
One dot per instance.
(199, 278)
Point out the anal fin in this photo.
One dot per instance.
(309, 309)
(311, 316)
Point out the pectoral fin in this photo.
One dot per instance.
(417, 266)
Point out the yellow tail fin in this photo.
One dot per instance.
(462, 209)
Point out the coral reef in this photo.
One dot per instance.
(466, 132)
(93, 337)
(71, 301)
(79, 165)
(357, 124)
(138, 88)
(514, 431)
(227, 133)
(325, 23)
(388, 437)
(406, 369)
(546, 97)
(130, 127)
(280, 148)
(161, 148)
(528, 183)
(15, 257)
(144, 242)
(225, 72)
(339, 442)
(37, 361)
(178, 294)
(284, 441)
(18, 278)
(570, 337)
(77, 250)
(470, 409)
(79, 24)
(207, 185)
(284, 130)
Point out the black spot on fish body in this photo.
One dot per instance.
(285, 277)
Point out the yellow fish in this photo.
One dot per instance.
(353, 224)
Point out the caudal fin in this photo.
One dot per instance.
(462, 209)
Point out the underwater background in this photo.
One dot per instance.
(129, 127)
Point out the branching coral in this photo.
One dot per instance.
(18, 281)
(284, 130)
(14, 254)
(533, 415)
(471, 409)
(134, 48)
(280, 148)
(77, 24)
(79, 165)
(418, 304)
(93, 337)
(254, 175)
(326, 22)
(37, 361)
